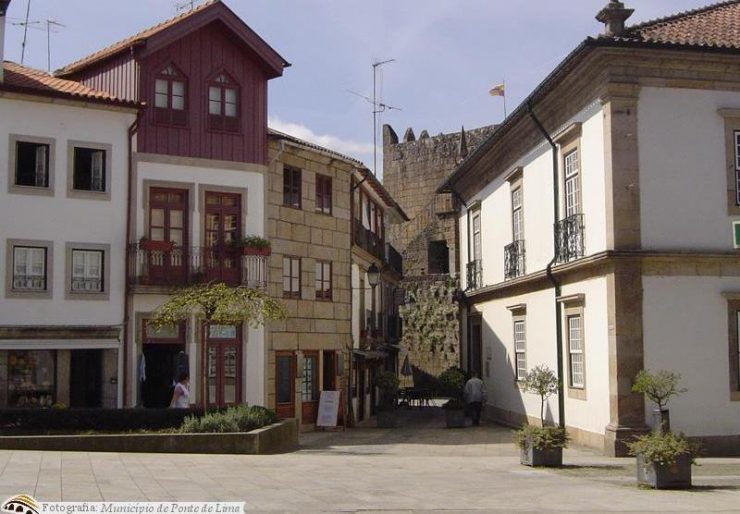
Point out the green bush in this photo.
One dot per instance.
(541, 438)
(387, 383)
(241, 418)
(452, 383)
(662, 449)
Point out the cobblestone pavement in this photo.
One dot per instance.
(417, 467)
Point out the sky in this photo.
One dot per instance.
(448, 54)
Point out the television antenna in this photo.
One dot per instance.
(25, 25)
(378, 108)
(51, 26)
(187, 4)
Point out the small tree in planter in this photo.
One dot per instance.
(543, 445)
(663, 459)
(253, 245)
(452, 382)
(388, 385)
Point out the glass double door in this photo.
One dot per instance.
(168, 231)
(222, 258)
(223, 366)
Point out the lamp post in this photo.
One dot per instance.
(373, 277)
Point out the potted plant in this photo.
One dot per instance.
(660, 387)
(452, 383)
(663, 459)
(542, 445)
(157, 246)
(253, 245)
(387, 383)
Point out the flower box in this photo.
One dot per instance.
(665, 476)
(545, 457)
(254, 250)
(156, 246)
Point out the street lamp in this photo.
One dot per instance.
(373, 277)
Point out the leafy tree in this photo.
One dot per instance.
(660, 387)
(541, 380)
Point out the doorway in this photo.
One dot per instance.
(86, 378)
(223, 365)
(161, 363)
(329, 380)
(285, 384)
(168, 222)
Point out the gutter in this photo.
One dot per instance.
(551, 277)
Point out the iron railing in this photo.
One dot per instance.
(394, 259)
(475, 274)
(569, 238)
(368, 240)
(182, 266)
(514, 259)
(29, 283)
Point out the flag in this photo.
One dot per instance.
(497, 90)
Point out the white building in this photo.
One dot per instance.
(621, 257)
(63, 166)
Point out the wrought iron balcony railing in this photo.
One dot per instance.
(475, 274)
(514, 259)
(368, 240)
(569, 238)
(394, 259)
(183, 266)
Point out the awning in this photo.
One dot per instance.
(59, 344)
(370, 354)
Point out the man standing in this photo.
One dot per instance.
(475, 396)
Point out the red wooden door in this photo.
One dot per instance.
(310, 387)
(223, 366)
(168, 221)
(222, 228)
(285, 384)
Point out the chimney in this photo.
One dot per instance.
(4, 4)
(613, 17)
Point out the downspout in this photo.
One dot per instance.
(127, 288)
(553, 280)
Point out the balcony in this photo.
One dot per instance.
(475, 274)
(394, 259)
(569, 238)
(184, 266)
(514, 260)
(368, 241)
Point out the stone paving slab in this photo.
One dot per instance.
(420, 467)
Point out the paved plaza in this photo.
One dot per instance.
(418, 467)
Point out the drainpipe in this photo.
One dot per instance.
(553, 280)
(132, 130)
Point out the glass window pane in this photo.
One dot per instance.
(284, 375)
(160, 86)
(176, 219)
(157, 217)
(214, 94)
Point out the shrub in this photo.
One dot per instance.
(541, 438)
(452, 383)
(241, 418)
(662, 449)
(252, 241)
(388, 384)
(542, 381)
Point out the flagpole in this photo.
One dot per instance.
(504, 83)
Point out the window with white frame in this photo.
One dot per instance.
(87, 271)
(575, 351)
(520, 348)
(572, 184)
(223, 104)
(32, 164)
(477, 251)
(169, 97)
(29, 268)
(517, 214)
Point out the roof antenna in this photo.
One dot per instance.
(187, 4)
(25, 25)
(49, 24)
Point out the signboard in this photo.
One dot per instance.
(328, 409)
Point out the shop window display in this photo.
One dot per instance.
(31, 378)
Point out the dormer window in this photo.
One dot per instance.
(223, 104)
(170, 106)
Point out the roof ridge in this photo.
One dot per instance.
(138, 35)
(679, 15)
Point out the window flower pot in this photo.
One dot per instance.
(157, 246)
(545, 457)
(253, 250)
(455, 418)
(669, 476)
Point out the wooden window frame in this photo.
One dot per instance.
(170, 115)
(291, 293)
(292, 187)
(315, 389)
(222, 122)
(323, 293)
(324, 195)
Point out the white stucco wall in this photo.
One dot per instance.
(683, 179)
(495, 203)
(591, 414)
(685, 329)
(61, 219)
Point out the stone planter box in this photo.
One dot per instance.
(674, 476)
(278, 437)
(455, 418)
(387, 419)
(546, 457)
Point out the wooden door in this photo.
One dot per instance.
(285, 384)
(223, 366)
(310, 389)
(168, 221)
(222, 227)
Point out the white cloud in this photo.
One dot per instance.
(351, 148)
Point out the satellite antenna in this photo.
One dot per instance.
(378, 108)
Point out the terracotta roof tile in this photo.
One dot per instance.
(28, 80)
(713, 26)
(132, 40)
